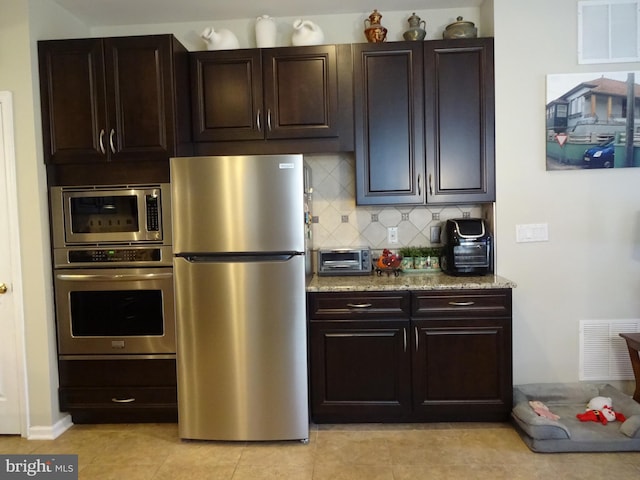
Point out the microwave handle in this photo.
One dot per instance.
(117, 277)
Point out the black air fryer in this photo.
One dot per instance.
(467, 249)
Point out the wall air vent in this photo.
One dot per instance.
(603, 352)
(608, 31)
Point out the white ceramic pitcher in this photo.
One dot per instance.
(305, 32)
(223, 39)
(265, 32)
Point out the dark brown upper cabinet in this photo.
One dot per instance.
(424, 122)
(249, 99)
(114, 99)
(459, 121)
(389, 123)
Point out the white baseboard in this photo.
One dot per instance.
(50, 432)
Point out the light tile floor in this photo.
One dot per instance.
(334, 452)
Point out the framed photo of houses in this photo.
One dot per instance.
(591, 120)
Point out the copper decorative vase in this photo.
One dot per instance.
(374, 32)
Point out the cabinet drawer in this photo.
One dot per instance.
(455, 303)
(117, 397)
(119, 372)
(358, 305)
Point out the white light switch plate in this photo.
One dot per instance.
(532, 232)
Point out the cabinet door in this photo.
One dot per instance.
(388, 98)
(459, 96)
(360, 371)
(72, 94)
(461, 370)
(139, 85)
(226, 89)
(301, 92)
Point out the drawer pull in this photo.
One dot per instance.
(462, 304)
(359, 305)
(123, 400)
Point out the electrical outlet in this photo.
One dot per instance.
(434, 234)
(392, 234)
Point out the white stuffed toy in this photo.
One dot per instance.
(599, 409)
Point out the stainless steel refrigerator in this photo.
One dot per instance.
(239, 269)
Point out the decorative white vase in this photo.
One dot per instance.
(223, 39)
(305, 32)
(265, 32)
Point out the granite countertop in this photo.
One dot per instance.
(408, 281)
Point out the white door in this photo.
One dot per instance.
(11, 332)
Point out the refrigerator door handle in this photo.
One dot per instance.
(241, 258)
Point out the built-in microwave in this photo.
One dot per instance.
(116, 214)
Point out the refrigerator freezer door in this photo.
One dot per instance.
(242, 357)
(237, 204)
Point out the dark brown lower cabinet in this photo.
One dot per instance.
(446, 356)
(119, 391)
(359, 356)
(360, 370)
(460, 370)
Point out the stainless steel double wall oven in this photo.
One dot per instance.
(113, 272)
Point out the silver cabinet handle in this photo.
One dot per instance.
(101, 141)
(359, 305)
(419, 184)
(430, 185)
(269, 119)
(416, 335)
(113, 149)
(258, 121)
(123, 400)
(404, 332)
(462, 304)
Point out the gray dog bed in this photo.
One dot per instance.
(568, 434)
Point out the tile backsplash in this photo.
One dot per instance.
(338, 222)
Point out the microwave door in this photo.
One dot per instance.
(117, 214)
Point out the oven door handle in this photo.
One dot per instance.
(111, 277)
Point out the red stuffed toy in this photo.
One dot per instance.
(599, 410)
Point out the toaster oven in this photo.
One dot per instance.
(467, 247)
(344, 261)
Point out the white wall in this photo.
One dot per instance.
(590, 267)
(337, 28)
(19, 22)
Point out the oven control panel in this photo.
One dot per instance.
(98, 256)
(111, 255)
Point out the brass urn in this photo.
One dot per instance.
(460, 29)
(374, 31)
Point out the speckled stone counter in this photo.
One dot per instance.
(409, 281)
